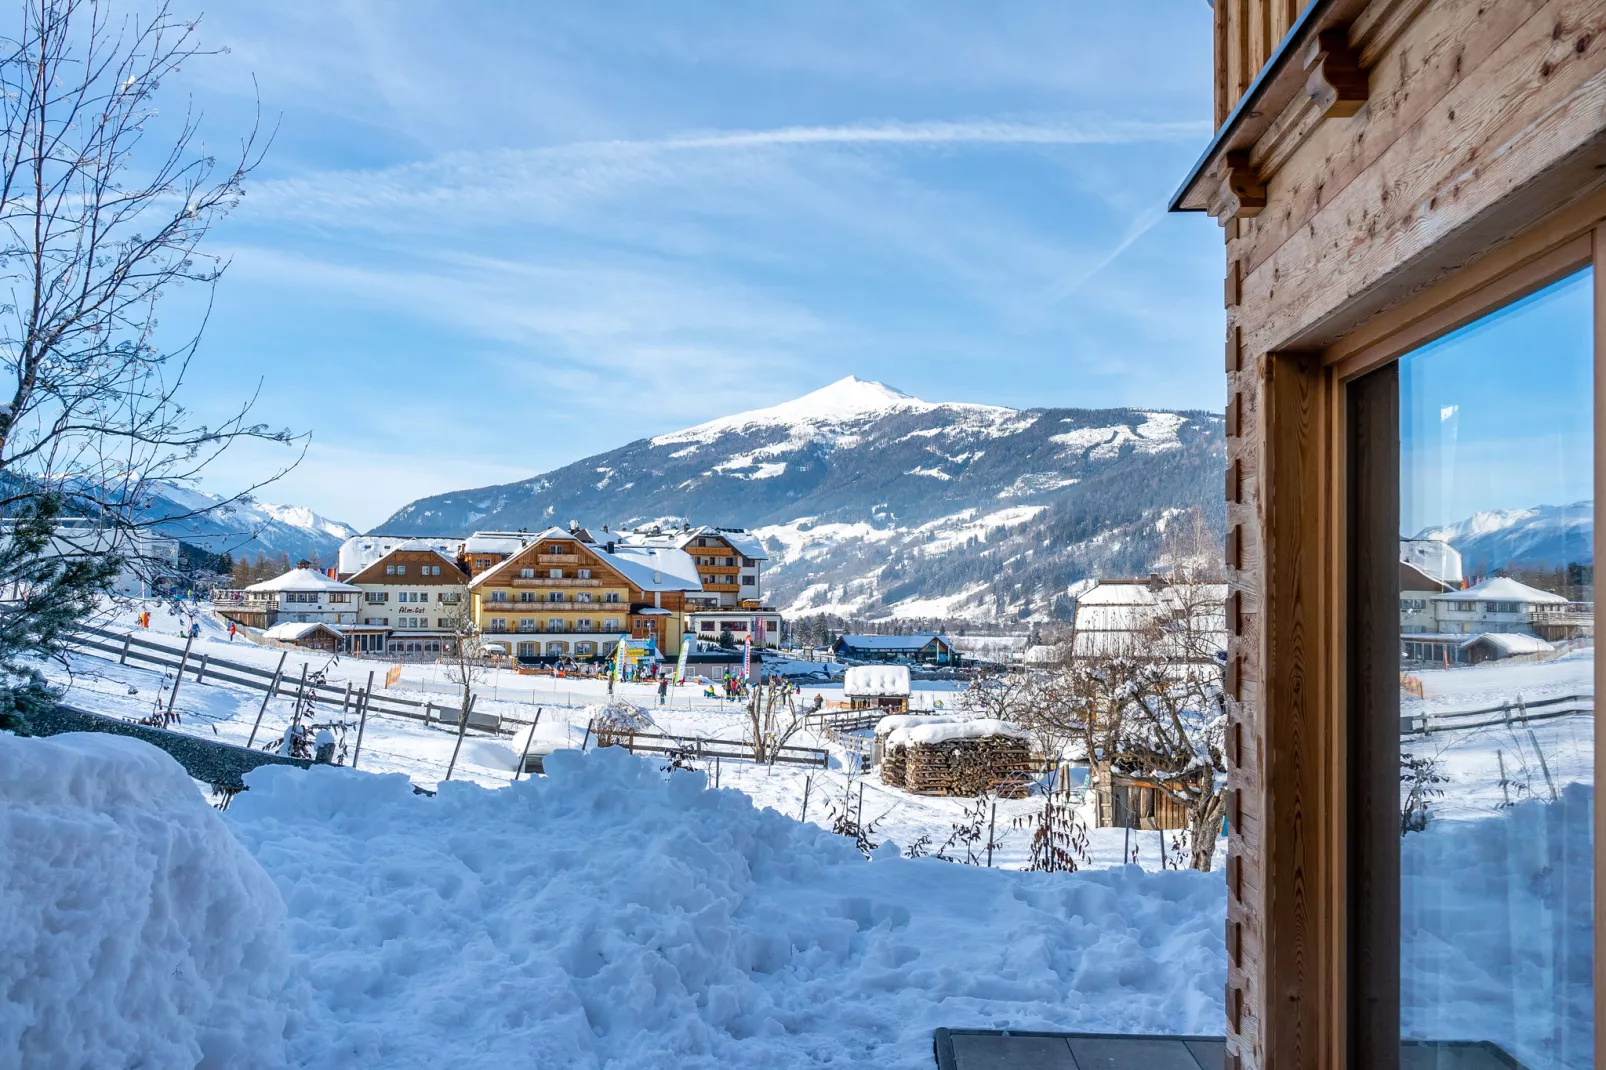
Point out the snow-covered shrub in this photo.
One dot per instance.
(134, 930)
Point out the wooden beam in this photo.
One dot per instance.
(1334, 81)
(1240, 194)
(1292, 1003)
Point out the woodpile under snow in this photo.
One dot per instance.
(950, 756)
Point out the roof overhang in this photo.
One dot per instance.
(1283, 78)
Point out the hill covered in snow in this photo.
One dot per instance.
(1545, 536)
(245, 528)
(875, 503)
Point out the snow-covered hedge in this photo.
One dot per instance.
(134, 929)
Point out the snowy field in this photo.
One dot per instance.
(397, 745)
(605, 915)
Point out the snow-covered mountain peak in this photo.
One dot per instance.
(845, 400)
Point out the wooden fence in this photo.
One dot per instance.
(699, 748)
(1514, 712)
(127, 647)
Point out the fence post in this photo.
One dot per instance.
(429, 710)
(462, 729)
(301, 689)
(525, 757)
(345, 702)
(808, 783)
(200, 670)
(273, 683)
(362, 717)
(127, 641)
(177, 677)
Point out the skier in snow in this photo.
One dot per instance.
(231, 631)
(663, 690)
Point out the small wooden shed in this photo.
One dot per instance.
(307, 636)
(947, 756)
(872, 687)
(1129, 802)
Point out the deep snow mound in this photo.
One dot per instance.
(134, 929)
(603, 916)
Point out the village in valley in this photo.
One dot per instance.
(1048, 745)
(471, 594)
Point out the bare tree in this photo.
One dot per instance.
(1150, 704)
(460, 646)
(772, 720)
(99, 219)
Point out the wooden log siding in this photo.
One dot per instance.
(1475, 172)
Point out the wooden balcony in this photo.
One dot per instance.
(551, 581)
(557, 559)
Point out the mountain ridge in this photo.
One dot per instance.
(884, 499)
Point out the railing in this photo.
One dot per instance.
(699, 748)
(99, 642)
(553, 581)
(1515, 712)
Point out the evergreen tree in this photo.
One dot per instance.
(43, 594)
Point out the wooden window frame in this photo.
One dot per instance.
(1300, 847)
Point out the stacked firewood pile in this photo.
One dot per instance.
(997, 763)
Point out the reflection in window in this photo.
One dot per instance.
(1497, 687)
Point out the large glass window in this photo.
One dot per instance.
(1472, 778)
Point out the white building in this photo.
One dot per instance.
(300, 596)
(1127, 616)
(360, 551)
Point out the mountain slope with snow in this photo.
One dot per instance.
(1545, 536)
(876, 503)
(245, 528)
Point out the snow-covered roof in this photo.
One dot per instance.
(890, 642)
(945, 731)
(360, 551)
(876, 681)
(1433, 558)
(301, 579)
(1502, 589)
(506, 542)
(744, 543)
(654, 568)
(289, 632)
(1510, 643)
(890, 724)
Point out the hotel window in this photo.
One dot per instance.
(610, 625)
(376, 597)
(339, 596)
(583, 596)
(584, 574)
(526, 573)
(499, 596)
(584, 624)
(611, 596)
(498, 624)
(705, 626)
(528, 624)
(1470, 848)
(554, 596)
(401, 570)
(390, 570)
(556, 574)
(554, 624)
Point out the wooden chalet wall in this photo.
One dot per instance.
(1402, 162)
(1246, 33)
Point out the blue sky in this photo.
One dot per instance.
(1498, 415)
(490, 239)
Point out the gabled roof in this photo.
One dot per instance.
(1502, 589)
(1414, 579)
(892, 642)
(445, 559)
(301, 579)
(531, 541)
(1510, 643)
(289, 632)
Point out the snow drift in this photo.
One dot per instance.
(134, 929)
(603, 917)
